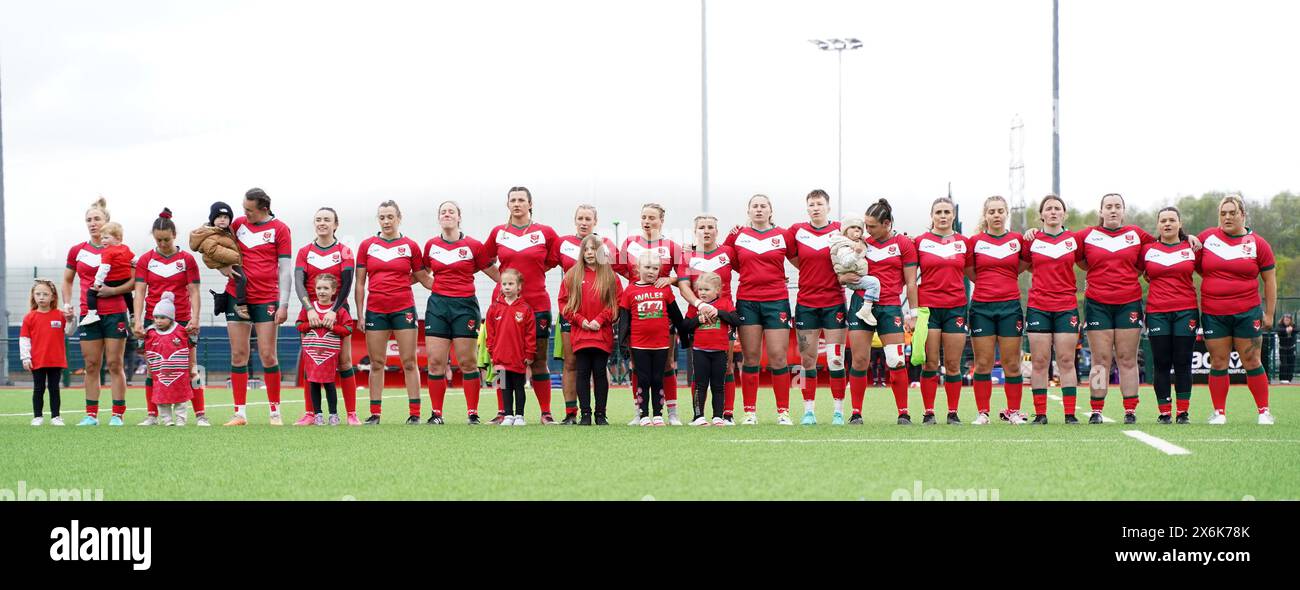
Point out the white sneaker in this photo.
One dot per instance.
(864, 314)
(636, 417)
(728, 422)
(720, 422)
(702, 421)
(165, 417)
(1217, 418)
(149, 420)
(751, 419)
(56, 421)
(202, 420)
(982, 419)
(39, 420)
(1265, 418)
(508, 420)
(783, 419)
(1016, 417)
(673, 420)
(519, 421)
(91, 317)
(658, 421)
(644, 421)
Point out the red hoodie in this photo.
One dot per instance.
(591, 308)
(511, 334)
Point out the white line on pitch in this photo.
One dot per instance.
(1058, 398)
(1160, 444)
(283, 402)
(916, 440)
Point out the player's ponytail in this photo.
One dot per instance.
(101, 205)
(882, 211)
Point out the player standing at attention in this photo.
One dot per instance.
(326, 255)
(387, 264)
(1052, 318)
(996, 320)
(588, 302)
(1233, 262)
(670, 257)
(1171, 316)
(819, 310)
(532, 249)
(941, 258)
(584, 224)
(451, 315)
(706, 255)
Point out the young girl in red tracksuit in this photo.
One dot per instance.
(171, 366)
(588, 297)
(711, 345)
(512, 342)
(646, 314)
(321, 346)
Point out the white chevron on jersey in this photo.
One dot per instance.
(520, 243)
(170, 368)
(1110, 243)
(166, 269)
(570, 250)
(89, 258)
(251, 239)
(634, 250)
(1164, 258)
(875, 254)
(324, 261)
(450, 257)
(949, 250)
(998, 251)
(814, 241)
(761, 245)
(1064, 247)
(385, 254)
(710, 264)
(1226, 251)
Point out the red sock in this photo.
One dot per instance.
(953, 390)
(983, 393)
(729, 399)
(749, 390)
(273, 387)
(1014, 388)
(1165, 409)
(92, 408)
(670, 388)
(148, 397)
(781, 387)
(197, 402)
(437, 393)
(1098, 404)
(501, 402)
(472, 385)
(375, 407)
(1258, 385)
(1040, 401)
(898, 382)
(837, 387)
(1183, 404)
(810, 385)
(858, 390)
(350, 391)
(1130, 405)
(929, 390)
(542, 387)
(119, 408)
(413, 407)
(239, 386)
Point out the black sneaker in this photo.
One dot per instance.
(953, 419)
(497, 421)
(928, 419)
(904, 419)
(373, 420)
(473, 420)
(435, 420)
(412, 420)
(1164, 419)
(585, 420)
(1070, 419)
(1039, 419)
(1183, 419)
(855, 419)
(601, 420)
(1130, 418)
(1095, 418)
(1003, 416)
(569, 420)
(547, 420)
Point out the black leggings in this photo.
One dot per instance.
(650, 379)
(1172, 352)
(47, 378)
(710, 370)
(513, 394)
(591, 363)
(331, 394)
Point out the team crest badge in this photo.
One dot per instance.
(898, 322)
(180, 265)
(723, 259)
(336, 258)
(410, 317)
(471, 323)
(121, 326)
(519, 316)
(1248, 249)
(1129, 238)
(893, 250)
(839, 316)
(1020, 325)
(270, 308)
(1069, 245)
(176, 341)
(1132, 317)
(776, 241)
(1191, 324)
(1186, 254)
(1015, 246)
(401, 250)
(782, 316)
(542, 323)
(464, 253)
(266, 237)
(1256, 324)
(960, 321)
(1074, 321)
(958, 247)
(534, 238)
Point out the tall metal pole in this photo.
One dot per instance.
(4, 307)
(839, 136)
(1056, 99)
(704, 107)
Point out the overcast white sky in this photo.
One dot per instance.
(348, 103)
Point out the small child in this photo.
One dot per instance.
(848, 255)
(321, 347)
(116, 262)
(41, 346)
(512, 342)
(220, 251)
(171, 366)
(647, 316)
(712, 341)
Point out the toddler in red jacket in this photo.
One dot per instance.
(512, 342)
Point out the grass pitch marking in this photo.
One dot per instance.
(1160, 444)
(283, 402)
(917, 440)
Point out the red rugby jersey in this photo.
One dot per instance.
(996, 260)
(760, 260)
(648, 306)
(1051, 260)
(168, 357)
(715, 335)
(819, 287)
(1169, 271)
(1112, 257)
(173, 273)
(84, 259)
(942, 262)
(532, 250)
(314, 261)
(453, 264)
(720, 261)
(670, 255)
(46, 331)
(571, 251)
(1230, 267)
(261, 246)
(389, 265)
(885, 261)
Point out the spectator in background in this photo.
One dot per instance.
(1286, 333)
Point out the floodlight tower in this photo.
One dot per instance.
(1016, 175)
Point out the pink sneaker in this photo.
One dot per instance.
(352, 419)
(307, 419)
